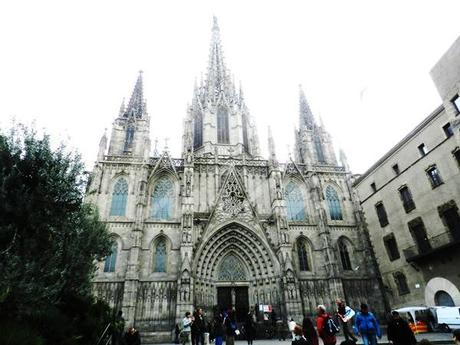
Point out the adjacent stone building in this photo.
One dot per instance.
(222, 226)
(411, 197)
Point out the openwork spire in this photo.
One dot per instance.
(217, 79)
(305, 115)
(136, 107)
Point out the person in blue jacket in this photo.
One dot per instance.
(367, 326)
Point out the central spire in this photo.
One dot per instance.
(217, 79)
(306, 116)
(136, 106)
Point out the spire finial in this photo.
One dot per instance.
(305, 115)
(136, 106)
(271, 146)
(215, 25)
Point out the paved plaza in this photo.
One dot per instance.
(435, 338)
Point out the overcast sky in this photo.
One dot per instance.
(364, 65)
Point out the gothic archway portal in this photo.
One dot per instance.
(235, 267)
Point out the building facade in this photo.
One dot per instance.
(222, 226)
(410, 198)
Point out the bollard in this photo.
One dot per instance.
(206, 338)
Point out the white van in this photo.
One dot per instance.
(437, 318)
(449, 316)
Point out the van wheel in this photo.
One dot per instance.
(444, 328)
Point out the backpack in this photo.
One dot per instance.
(330, 327)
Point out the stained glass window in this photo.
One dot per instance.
(160, 256)
(198, 131)
(111, 260)
(302, 252)
(334, 204)
(231, 269)
(119, 198)
(344, 256)
(319, 150)
(163, 199)
(222, 126)
(295, 202)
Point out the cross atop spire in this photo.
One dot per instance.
(305, 114)
(137, 107)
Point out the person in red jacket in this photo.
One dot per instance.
(321, 320)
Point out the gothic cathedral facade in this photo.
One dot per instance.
(222, 226)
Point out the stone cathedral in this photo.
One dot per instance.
(223, 226)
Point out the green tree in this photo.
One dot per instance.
(49, 238)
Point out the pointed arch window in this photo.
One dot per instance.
(333, 202)
(222, 126)
(319, 150)
(345, 255)
(129, 138)
(163, 199)
(303, 254)
(111, 260)
(295, 202)
(198, 131)
(119, 198)
(245, 133)
(160, 256)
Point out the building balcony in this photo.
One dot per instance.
(441, 243)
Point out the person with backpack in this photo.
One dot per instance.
(366, 324)
(231, 328)
(327, 328)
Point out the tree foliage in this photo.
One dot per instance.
(49, 238)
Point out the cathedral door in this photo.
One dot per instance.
(234, 296)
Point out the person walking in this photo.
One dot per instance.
(198, 328)
(280, 330)
(291, 326)
(218, 328)
(345, 315)
(250, 327)
(367, 326)
(322, 324)
(399, 332)
(185, 335)
(309, 331)
(230, 327)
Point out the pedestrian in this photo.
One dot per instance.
(291, 326)
(456, 336)
(309, 331)
(399, 332)
(185, 335)
(299, 339)
(345, 315)
(231, 328)
(132, 337)
(322, 324)
(250, 327)
(118, 327)
(367, 326)
(176, 333)
(280, 329)
(198, 327)
(218, 328)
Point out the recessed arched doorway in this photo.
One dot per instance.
(442, 298)
(235, 267)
